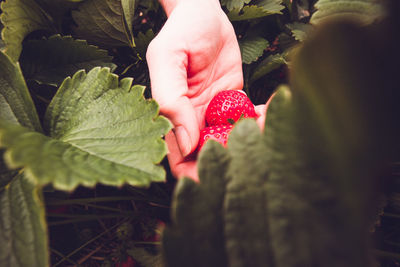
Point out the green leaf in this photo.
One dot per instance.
(58, 9)
(16, 104)
(195, 237)
(300, 31)
(247, 237)
(290, 187)
(23, 230)
(269, 64)
(128, 8)
(51, 60)
(103, 23)
(253, 12)
(21, 17)
(101, 131)
(365, 12)
(252, 48)
(315, 210)
(234, 4)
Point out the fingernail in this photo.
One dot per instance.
(183, 139)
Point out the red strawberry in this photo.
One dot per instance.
(227, 107)
(218, 133)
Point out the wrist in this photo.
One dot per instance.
(169, 5)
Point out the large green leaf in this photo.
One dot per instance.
(51, 60)
(21, 17)
(364, 11)
(196, 236)
(16, 104)
(101, 131)
(23, 231)
(252, 48)
(103, 23)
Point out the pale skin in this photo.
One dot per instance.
(193, 57)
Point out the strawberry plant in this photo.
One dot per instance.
(78, 129)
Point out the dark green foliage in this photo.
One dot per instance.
(53, 59)
(102, 23)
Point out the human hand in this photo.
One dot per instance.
(195, 55)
